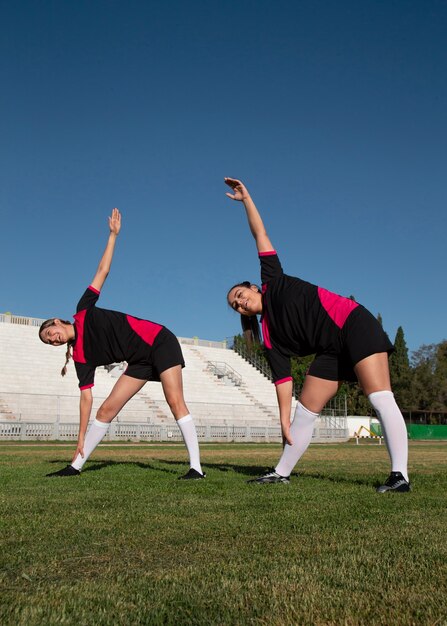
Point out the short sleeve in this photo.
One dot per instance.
(86, 375)
(89, 298)
(280, 366)
(270, 266)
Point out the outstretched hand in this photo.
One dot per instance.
(240, 191)
(115, 222)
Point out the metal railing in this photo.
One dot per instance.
(224, 371)
(254, 359)
(8, 318)
(58, 431)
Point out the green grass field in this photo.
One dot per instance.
(127, 543)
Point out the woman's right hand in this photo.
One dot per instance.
(286, 438)
(240, 191)
(79, 450)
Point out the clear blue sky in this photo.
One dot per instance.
(332, 113)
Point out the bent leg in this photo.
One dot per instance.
(374, 378)
(172, 383)
(124, 389)
(373, 373)
(315, 394)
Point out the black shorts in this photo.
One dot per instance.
(361, 336)
(166, 352)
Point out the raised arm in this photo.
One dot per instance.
(106, 260)
(255, 222)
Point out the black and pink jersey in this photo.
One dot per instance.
(103, 337)
(298, 318)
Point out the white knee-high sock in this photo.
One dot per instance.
(301, 431)
(94, 436)
(188, 430)
(394, 429)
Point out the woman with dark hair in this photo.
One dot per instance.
(349, 344)
(101, 337)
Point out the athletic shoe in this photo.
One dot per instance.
(395, 482)
(270, 477)
(66, 471)
(192, 474)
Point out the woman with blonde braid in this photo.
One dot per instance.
(101, 337)
(299, 318)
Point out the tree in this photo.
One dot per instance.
(356, 401)
(400, 371)
(423, 387)
(440, 375)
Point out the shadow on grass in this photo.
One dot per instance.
(100, 465)
(239, 469)
(245, 470)
(339, 479)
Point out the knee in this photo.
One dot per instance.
(177, 406)
(303, 412)
(380, 400)
(106, 412)
(311, 404)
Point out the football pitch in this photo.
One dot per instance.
(126, 543)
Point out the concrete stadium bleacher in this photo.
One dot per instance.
(32, 389)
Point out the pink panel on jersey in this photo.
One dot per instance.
(144, 329)
(78, 350)
(337, 307)
(269, 253)
(265, 326)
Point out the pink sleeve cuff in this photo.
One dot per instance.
(94, 290)
(87, 386)
(268, 253)
(283, 380)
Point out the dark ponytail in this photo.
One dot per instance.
(68, 353)
(251, 330)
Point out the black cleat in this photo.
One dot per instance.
(270, 477)
(394, 482)
(66, 471)
(192, 474)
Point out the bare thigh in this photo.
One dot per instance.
(373, 373)
(317, 392)
(172, 383)
(125, 388)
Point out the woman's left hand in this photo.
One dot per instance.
(240, 192)
(115, 222)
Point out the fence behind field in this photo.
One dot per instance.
(326, 430)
